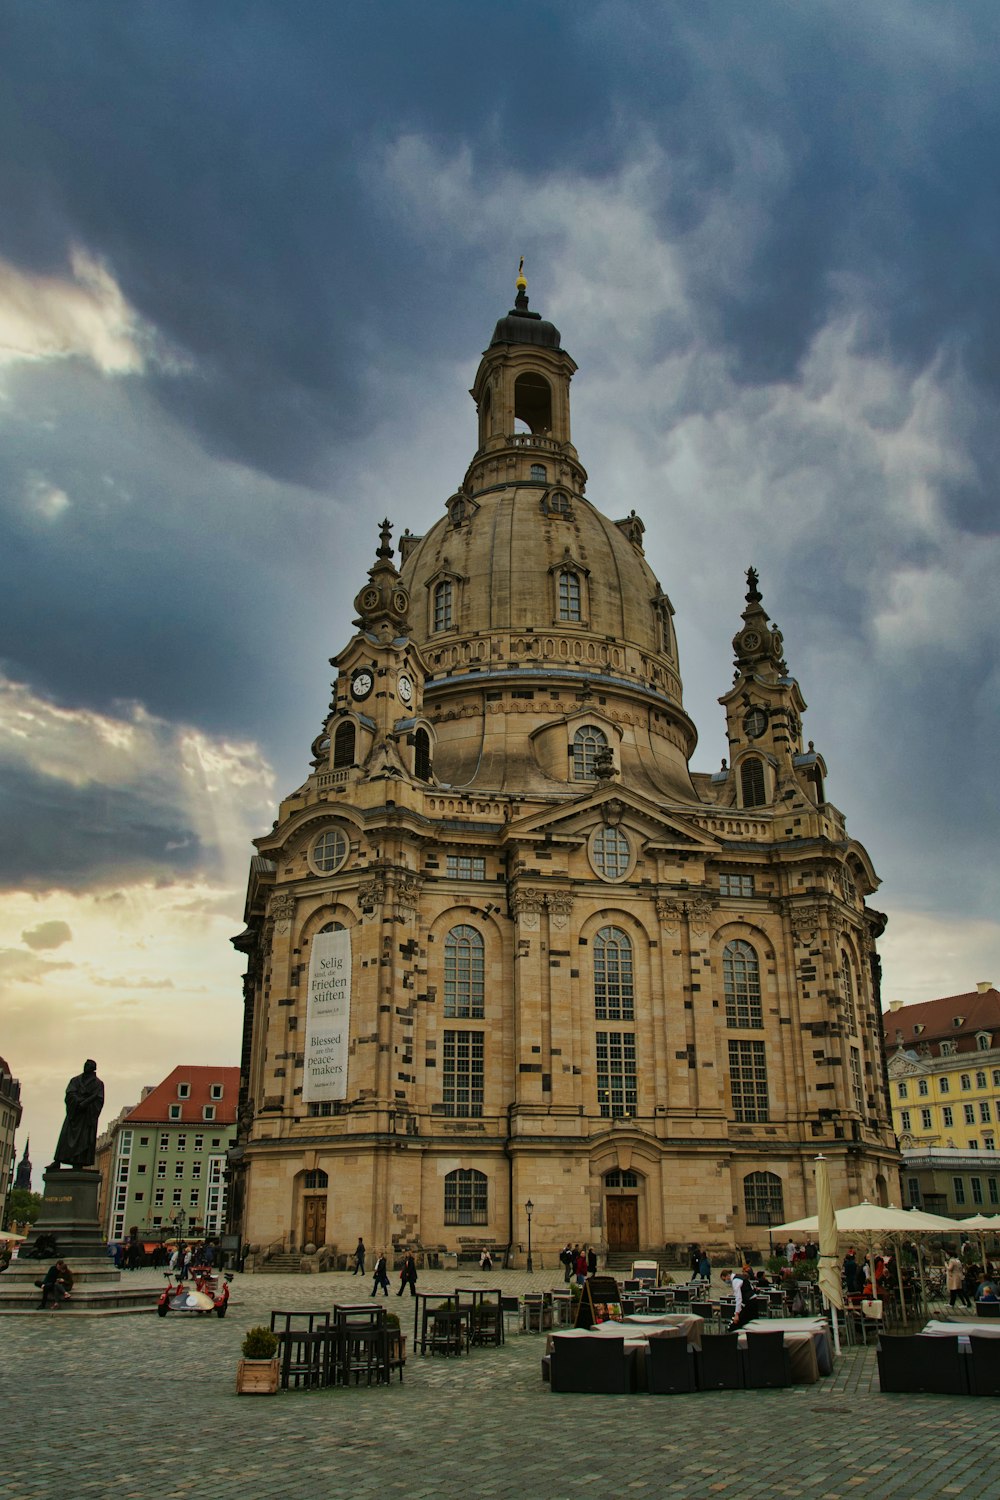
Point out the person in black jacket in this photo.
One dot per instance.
(408, 1277)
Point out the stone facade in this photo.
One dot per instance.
(10, 1119)
(580, 974)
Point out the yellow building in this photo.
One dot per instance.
(945, 1074)
(505, 947)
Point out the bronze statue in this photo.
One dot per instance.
(77, 1144)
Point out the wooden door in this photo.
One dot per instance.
(623, 1223)
(314, 1222)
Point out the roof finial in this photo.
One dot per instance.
(753, 592)
(522, 281)
(385, 530)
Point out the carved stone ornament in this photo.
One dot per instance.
(372, 893)
(669, 913)
(281, 910)
(526, 906)
(407, 893)
(699, 914)
(806, 920)
(560, 905)
(611, 812)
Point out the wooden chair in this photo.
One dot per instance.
(718, 1367)
(595, 1366)
(768, 1365)
(669, 1365)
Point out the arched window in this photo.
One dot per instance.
(741, 982)
(847, 989)
(465, 1197)
(442, 605)
(620, 1179)
(316, 1179)
(538, 473)
(614, 996)
(763, 1198)
(463, 973)
(333, 927)
(569, 596)
(533, 402)
(343, 746)
(587, 741)
(610, 853)
(752, 782)
(557, 503)
(422, 755)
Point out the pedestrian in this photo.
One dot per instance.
(381, 1275)
(359, 1258)
(566, 1261)
(705, 1268)
(485, 1260)
(790, 1251)
(56, 1285)
(850, 1269)
(955, 1277)
(580, 1267)
(408, 1276)
(591, 1261)
(695, 1261)
(743, 1291)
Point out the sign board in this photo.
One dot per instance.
(601, 1302)
(328, 1017)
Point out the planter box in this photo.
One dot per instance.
(257, 1377)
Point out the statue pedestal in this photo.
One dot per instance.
(69, 1215)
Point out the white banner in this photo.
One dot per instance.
(328, 1017)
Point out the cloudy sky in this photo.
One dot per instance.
(249, 256)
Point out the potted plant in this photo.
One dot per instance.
(257, 1371)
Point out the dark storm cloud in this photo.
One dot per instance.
(61, 836)
(226, 161)
(47, 935)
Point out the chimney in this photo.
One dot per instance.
(984, 986)
(895, 1005)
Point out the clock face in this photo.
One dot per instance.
(751, 640)
(369, 599)
(361, 684)
(400, 602)
(755, 723)
(404, 687)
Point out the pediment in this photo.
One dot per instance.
(614, 804)
(903, 1065)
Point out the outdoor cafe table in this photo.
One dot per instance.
(937, 1328)
(807, 1341)
(636, 1329)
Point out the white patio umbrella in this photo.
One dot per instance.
(829, 1259)
(980, 1223)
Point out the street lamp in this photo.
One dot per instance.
(530, 1266)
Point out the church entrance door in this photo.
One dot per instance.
(314, 1221)
(622, 1217)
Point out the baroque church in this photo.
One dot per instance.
(508, 956)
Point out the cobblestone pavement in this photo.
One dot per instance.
(132, 1407)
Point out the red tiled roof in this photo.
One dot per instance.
(155, 1106)
(979, 1010)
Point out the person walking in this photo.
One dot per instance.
(580, 1267)
(591, 1261)
(359, 1258)
(381, 1275)
(566, 1260)
(408, 1276)
(705, 1268)
(955, 1277)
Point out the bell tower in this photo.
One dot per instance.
(521, 393)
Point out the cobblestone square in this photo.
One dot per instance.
(135, 1406)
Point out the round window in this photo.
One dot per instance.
(610, 853)
(330, 851)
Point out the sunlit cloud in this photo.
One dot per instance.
(45, 500)
(82, 315)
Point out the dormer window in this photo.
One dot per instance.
(569, 596)
(215, 1092)
(958, 1020)
(918, 1028)
(208, 1112)
(588, 742)
(557, 504)
(948, 1049)
(458, 510)
(752, 784)
(183, 1091)
(984, 1041)
(443, 605)
(174, 1111)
